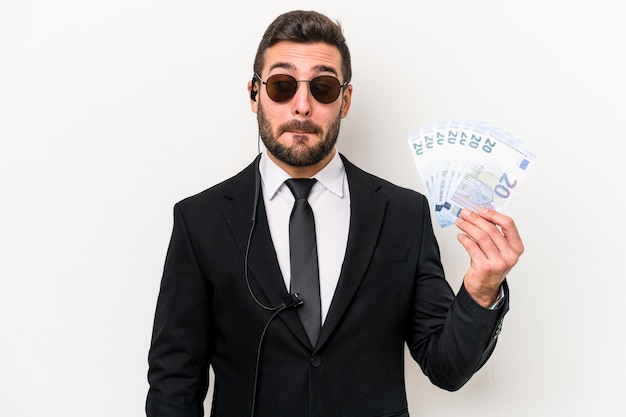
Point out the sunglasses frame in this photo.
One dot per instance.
(341, 86)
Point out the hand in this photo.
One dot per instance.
(494, 246)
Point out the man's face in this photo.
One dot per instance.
(301, 131)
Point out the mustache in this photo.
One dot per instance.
(300, 125)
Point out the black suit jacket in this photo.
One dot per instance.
(391, 291)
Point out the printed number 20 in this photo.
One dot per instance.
(504, 190)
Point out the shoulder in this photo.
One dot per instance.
(244, 181)
(360, 180)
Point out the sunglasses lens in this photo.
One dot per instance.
(282, 87)
(325, 88)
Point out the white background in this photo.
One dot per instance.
(110, 112)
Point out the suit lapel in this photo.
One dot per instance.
(265, 278)
(367, 211)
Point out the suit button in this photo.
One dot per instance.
(316, 361)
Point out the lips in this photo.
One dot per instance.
(298, 127)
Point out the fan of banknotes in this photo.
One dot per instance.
(468, 164)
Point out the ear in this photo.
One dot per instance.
(253, 93)
(346, 98)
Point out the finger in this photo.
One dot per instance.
(484, 274)
(485, 271)
(485, 234)
(473, 250)
(507, 227)
(489, 240)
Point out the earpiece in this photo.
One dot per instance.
(253, 92)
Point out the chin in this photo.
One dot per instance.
(301, 138)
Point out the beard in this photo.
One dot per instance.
(298, 154)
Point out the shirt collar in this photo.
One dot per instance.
(331, 177)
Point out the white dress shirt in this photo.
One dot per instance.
(330, 201)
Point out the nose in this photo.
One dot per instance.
(302, 99)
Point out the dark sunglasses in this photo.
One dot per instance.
(282, 87)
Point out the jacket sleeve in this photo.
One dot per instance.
(450, 337)
(179, 356)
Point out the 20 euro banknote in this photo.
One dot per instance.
(466, 164)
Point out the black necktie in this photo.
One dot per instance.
(303, 255)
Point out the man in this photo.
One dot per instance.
(225, 295)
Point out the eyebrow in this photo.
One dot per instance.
(317, 68)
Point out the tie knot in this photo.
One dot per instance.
(300, 187)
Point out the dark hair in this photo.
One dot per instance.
(304, 27)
